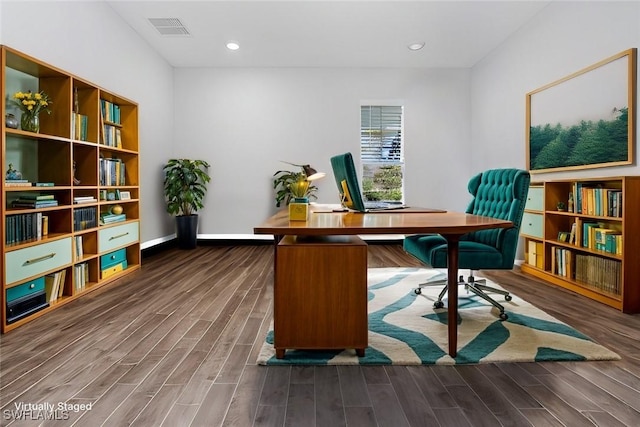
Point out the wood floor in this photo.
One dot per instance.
(176, 344)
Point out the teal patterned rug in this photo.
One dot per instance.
(405, 329)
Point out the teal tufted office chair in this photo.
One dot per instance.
(497, 193)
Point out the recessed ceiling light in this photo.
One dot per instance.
(416, 46)
(233, 46)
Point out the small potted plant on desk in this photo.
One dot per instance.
(184, 189)
(295, 189)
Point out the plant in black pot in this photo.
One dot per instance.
(184, 189)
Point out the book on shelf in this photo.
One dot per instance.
(45, 225)
(80, 276)
(54, 285)
(79, 124)
(79, 252)
(110, 112)
(44, 184)
(17, 183)
(108, 218)
(84, 199)
(23, 227)
(84, 218)
(36, 196)
(34, 204)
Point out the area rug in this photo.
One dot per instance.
(405, 329)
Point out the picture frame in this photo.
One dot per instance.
(584, 120)
(125, 195)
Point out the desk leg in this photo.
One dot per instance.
(452, 291)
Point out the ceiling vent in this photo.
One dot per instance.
(169, 26)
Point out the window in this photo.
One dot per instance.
(382, 152)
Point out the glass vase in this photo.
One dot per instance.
(30, 122)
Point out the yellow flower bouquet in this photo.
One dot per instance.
(32, 104)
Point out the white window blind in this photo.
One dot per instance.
(381, 133)
(382, 152)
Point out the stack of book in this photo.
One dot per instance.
(84, 199)
(17, 183)
(34, 200)
(109, 218)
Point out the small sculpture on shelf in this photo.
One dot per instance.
(10, 121)
(12, 174)
(570, 203)
(76, 181)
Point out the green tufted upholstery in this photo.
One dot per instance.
(497, 193)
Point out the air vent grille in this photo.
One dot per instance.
(169, 26)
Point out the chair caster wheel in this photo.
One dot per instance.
(503, 316)
(508, 297)
(438, 304)
(417, 291)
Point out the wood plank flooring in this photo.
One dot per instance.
(175, 344)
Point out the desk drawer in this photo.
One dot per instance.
(532, 224)
(535, 199)
(115, 237)
(35, 260)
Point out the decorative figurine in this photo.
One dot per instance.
(570, 204)
(10, 121)
(76, 181)
(13, 174)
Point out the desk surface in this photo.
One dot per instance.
(393, 222)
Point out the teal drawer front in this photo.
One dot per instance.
(113, 258)
(116, 237)
(535, 199)
(35, 260)
(532, 224)
(25, 289)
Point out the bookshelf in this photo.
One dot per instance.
(72, 233)
(590, 247)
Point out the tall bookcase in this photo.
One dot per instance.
(85, 157)
(591, 245)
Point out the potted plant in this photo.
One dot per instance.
(560, 206)
(184, 189)
(290, 184)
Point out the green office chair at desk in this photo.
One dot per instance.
(497, 193)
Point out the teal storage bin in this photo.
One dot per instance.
(28, 288)
(113, 258)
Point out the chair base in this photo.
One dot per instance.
(478, 287)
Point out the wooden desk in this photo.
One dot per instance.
(451, 225)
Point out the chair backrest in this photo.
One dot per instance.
(499, 193)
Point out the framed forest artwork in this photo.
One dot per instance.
(585, 120)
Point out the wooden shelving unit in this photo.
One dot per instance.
(601, 265)
(70, 152)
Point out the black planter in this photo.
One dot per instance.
(187, 231)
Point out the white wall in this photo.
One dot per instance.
(244, 121)
(458, 122)
(89, 40)
(563, 38)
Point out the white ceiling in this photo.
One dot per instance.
(307, 33)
